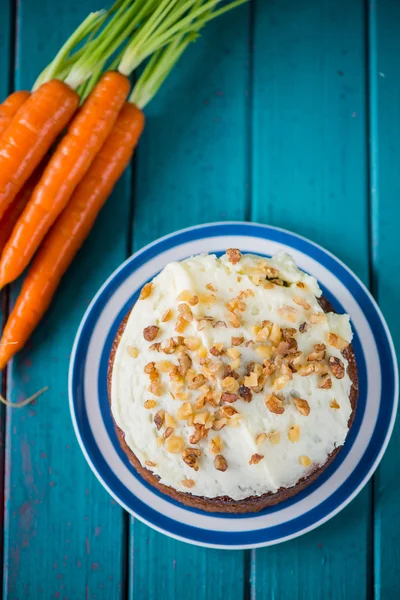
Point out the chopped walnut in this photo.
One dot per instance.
(174, 444)
(245, 393)
(159, 419)
(334, 404)
(317, 318)
(199, 433)
(317, 355)
(326, 382)
(210, 287)
(150, 404)
(337, 342)
(220, 463)
(197, 382)
(146, 291)
(156, 388)
(289, 313)
(229, 411)
(190, 457)
(337, 367)
(217, 350)
(185, 362)
(229, 384)
(201, 418)
(192, 343)
(233, 320)
(184, 411)
(286, 347)
(216, 445)
(189, 483)
(305, 461)
(269, 368)
(255, 459)
(306, 370)
(301, 302)
(219, 424)
(302, 406)
(150, 333)
(265, 351)
(227, 397)
(234, 255)
(233, 353)
(304, 327)
(274, 437)
(193, 300)
(167, 315)
(185, 312)
(181, 324)
(184, 296)
(133, 352)
(294, 433)
(274, 404)
(155, 347)
(169, 431)
(169, 420)
(261, 438)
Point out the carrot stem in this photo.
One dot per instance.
(92, 22)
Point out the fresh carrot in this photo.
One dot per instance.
(10, 107)
(70, 230)
(31, 133)
(69, 163)
(14, 211)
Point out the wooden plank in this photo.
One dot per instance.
(64, 533)
(192, 168)
(384, 24)
(309, 169)
(6, 62)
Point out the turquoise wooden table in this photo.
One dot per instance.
(285, 113)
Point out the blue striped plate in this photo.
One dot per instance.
(333, 490)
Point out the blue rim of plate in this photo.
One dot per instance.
(339, 498)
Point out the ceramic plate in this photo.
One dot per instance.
(339, 483)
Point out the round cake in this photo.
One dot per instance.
(232, 382)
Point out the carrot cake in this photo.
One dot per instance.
(232, 382)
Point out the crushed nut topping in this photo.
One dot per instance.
(189, 483)
(337, 367)
(304, 327)
(288, 313)
(245, 393)
(255, 459)
(227, 397)
(133, 352)
(185, 312)
(234, 255)
(274, 437)
(217, 350)
(294, 433)
(169, 431)
(150, 404)
(236, 341)
(210, 287)
(190, 457)
(159, 419)
(317, 318)
(274, 404)
(181, 324)
(174, 444)
(334, 404)
(229, 384)
(261, 438)
(193, 300)
(337, 342)
(326, 382)
(305, 461)
(301, 302)
(219, 424)
(197, 382)
(167, 315)
(150, 333)
(216, 445)
(220, 463)
(302, 406)
(145, 291)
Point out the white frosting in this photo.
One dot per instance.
(321, 431)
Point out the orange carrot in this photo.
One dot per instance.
(14, 211)
(31, 133)
(71, 160)
(70, 230)
(10, 107)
